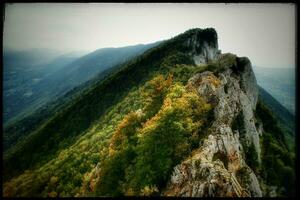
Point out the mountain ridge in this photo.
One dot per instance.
(152, 118)
(126, 70)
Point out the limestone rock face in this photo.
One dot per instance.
(208, 52)
(203, 45)
(218, 167)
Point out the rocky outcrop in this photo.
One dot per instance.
(203, 45)
(219, 167)
(207, 53)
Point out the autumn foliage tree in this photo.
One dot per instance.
(146, 146)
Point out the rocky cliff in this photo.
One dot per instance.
(219, 167)
(179, 120)
(202, 45)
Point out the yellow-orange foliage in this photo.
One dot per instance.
(122, 131)
(182, 100)
(148, 190)
(214, 80)
(159, 83)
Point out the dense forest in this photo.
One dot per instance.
(124, 132)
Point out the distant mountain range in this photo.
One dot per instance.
(23, 73)
(34, 77)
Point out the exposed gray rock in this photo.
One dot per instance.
(218, 167)
(207, 53)
(248, 80)
(201, 50)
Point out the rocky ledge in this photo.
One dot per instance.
(219, 166)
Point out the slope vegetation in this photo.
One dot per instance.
(125, 134)
(49, 89)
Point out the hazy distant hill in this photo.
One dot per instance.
(87, 67)
(280, 83)
(32, 57)
(33, 78)
(22, 73)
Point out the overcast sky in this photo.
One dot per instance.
(263, 32)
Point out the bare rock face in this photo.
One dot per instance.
(203, 45)
(219, 167)
(208, 52)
